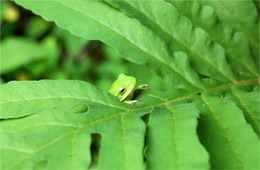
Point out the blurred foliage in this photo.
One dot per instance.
(34, 49)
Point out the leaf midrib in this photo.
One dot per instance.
(195, 94)
(182, 98)
(161, 102)
(123, 131)
(166, 102)
(17, 150)
(174, 141)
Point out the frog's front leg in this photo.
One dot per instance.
(142, 87)
(136, 92)
(130, 101)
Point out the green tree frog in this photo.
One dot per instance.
(124, 88)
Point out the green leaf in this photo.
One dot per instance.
(223, 130)
(67, 112)
(242, 15)
(19, 52)
(235, 43)
(173, 149)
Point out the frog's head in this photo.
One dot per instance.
(123, 86)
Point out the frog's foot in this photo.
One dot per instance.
(131, 101)
(142, 87)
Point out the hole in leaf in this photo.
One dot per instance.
(202, 76)
(199, 93)
(79, 108)
(223, 95)
(94, 149)
(145, 119)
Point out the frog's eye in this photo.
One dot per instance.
(121, 90)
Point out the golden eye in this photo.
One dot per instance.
(121, 90)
